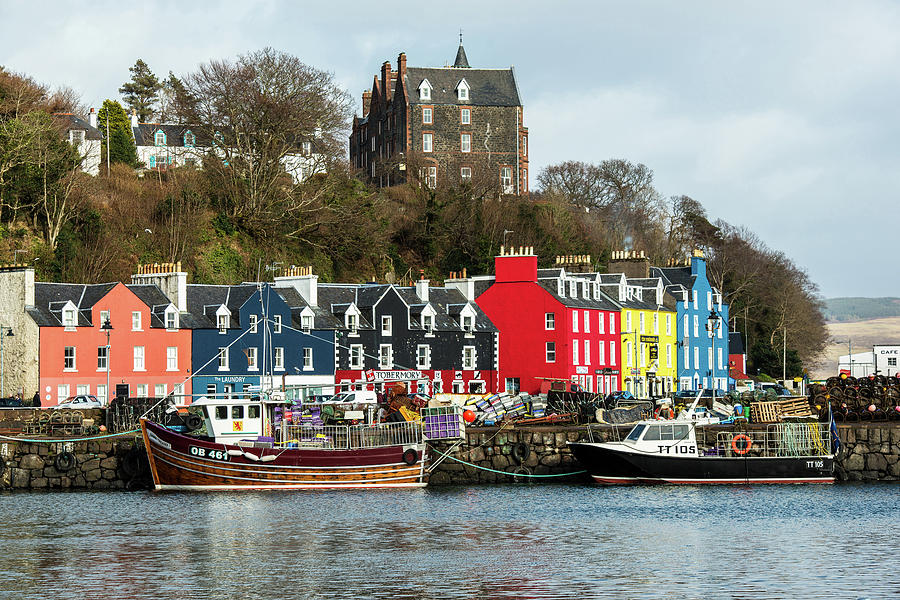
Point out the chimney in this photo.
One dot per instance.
(422, 289)
(168, 277)
(134, 119)
(698, 264)
(386, 79)
(461, 283)
(401, 65)
(367, 101)
(302, 280)
(634, 264)
(92, 118)
(516, 265)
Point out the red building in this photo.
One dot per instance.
(552, 324)
(148, 350)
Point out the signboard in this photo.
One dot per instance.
(635, 371)
(606, 371)
(392, 375)
(654, 352)
(582, 370)
(649, 339)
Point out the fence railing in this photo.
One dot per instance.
(783, 439)
(351, 437)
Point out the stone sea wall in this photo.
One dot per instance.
(871, 452)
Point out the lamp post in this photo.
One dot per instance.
(712, 325)
(9, 333)
(107, 327)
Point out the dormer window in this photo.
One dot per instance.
(428, 323)
(306, 148)
(223, 322)
(352, 323)
(189, 139)
(424, 90)
(69, 318)
(462, 91)
(159, 137)
(560, 287)
(171, 318)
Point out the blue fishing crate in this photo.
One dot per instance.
(443, 422)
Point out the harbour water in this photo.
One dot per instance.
(503, 541)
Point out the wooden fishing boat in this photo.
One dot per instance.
(237, 455)
(667, 452)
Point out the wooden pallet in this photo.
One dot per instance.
(794, 407)
(764, 412)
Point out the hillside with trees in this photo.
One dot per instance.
(241, 214)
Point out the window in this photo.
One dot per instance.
(426, 116)
(641, 319)
(254, 321)
(642, 353)
(223, 359)
(719, 358)
(587, 352)
(587, 321)
(696, 357)
(160, 138)
(69, 318)
(709, 358)
(612, 353)
(668, 355)
(102, 358)
(892, 362)
(465, 116)
(104, 317)
(385, 356)
(306, 322)
(62, 392)
(307, 359)
(178, 390)
(356, 356)
(425, 91)
(525, 179)
(524, 145)
(136, 320)
(159, 390)
(423, 356)
(463, 92)
(506, 180)
(251, 359)
(465, 142)
(719, 329)
(428, 323)
(172, 358)
(601, 356)
(189, 139)
(431, 179)
(708, 300)
(695, 300)
(550, 352)
(171, 320)
(141, 390)
(305, 148)
(223, 323)
(628, 321)
(513, 385)
(612, 324)
(600, 320)
(696, 326)
(82, 388)
(628, 356)
(279, 359)
(655, 323)
(276, 325)
(468, 357)
(221, 413)
(352, 323)
(385, 325)
(138, 354)
(69, 358)
(101, 393)
(426, 142)
(668, 324)
(549, 321)
(574, 352)
(468, 323)
(684, 326)
(465, 173)
(574, 321)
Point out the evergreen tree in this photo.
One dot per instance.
(121, 140)
(141, 92)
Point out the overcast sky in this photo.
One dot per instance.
(778, 116)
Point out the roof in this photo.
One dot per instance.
(603, 303)
(735, 343)
(204, 300)
(49, 299)
(461, 61)
(487, 87)
(675, 275)
(76, 123)
(144, 134)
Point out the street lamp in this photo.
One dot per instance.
(107, 327)
(712, 325)
(9, 333)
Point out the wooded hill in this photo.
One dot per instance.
(861, 309)
(243, 218)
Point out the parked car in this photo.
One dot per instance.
(777, 388)
(81, 401)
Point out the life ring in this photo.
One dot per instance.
(744, 439)
(665, 412)
(64, 461)
(410, 456)
(520, 452)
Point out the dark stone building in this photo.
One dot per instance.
(444, 126)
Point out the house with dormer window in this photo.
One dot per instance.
(456, 124)
(430, 337)
(85, 137)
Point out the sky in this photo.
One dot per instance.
(781, 117)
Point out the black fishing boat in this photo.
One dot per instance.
(667, 452)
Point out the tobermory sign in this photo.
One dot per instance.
(392, 375)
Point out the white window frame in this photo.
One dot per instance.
(102, 358)
(696, 326)
(587, 352)
(427, 115)
(575, 317)
(136, 320)
(468, 357)
(385, 356)
(223, 321)
(428, 325)
(356, 356)
(506, 180)
(465, 116)
(601, 322)
(465, 173)
(669, 324)
(139, 361)
(171, 320)
(575, 352)
(427, 142)
(423, 356)
(141, 390)
(587, 321)
(254, 323)
(69, 356)
(70, 318)
(386, 325)
(550, 352)
(172, 358)
(276, 325)
(308, 359)
(159, 390)
(612, 354)
(549, 321)
(465, 142)
(278, 359)
(629, 357)
(223, 359)
(306, 322)
(601, 355)
(252, 358)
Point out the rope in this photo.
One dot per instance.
(54, 441)
(504, 472)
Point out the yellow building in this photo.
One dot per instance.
(649, 336)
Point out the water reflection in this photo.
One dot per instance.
(483, 542)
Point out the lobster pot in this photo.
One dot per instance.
(443, 422)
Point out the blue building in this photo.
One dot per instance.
(247, 335)
(702, 325)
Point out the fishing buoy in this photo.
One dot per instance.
(818, 407)
(103, 428)
(844, 405)
(897, 408)
(468, 416)
(871, 408)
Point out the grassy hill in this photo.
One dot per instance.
(862, 334)
(860, 309)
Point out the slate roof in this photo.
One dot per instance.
(604, 303)
(204, 300)
(461, 60)
(675, 275)
(75, 123)
(735, 343)
(549, 273)
(49, 299)
(487, 87)
(144, 135)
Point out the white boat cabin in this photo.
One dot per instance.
(661, 437)
(231, 419)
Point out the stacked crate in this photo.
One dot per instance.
(443, 422)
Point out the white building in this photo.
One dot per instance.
(886, 360)
(85, 137)
(858, 364)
